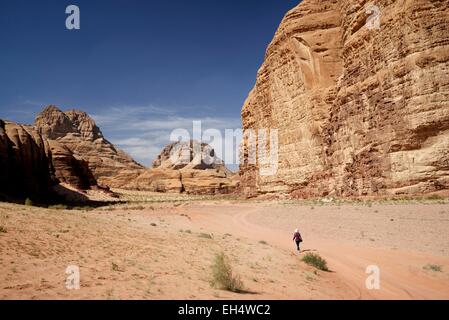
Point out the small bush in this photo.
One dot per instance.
(263, 242)
(435, 197)
(223, 277)
(139, 208)
(84, 208)
(29, 202)
(115, 267)
(3, 229)
(316, 261)
(433, 267)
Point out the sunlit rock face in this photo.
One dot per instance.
(187, 167)
(77, 132)
(360, 111)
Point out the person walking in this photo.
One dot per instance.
(298, 239)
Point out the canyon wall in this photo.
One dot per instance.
(360, 111)
(26, 169)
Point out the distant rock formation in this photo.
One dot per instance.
(67, 148)
(360, 111)
(187, 167)
(74, 132)
(81, 156)
(26, 169)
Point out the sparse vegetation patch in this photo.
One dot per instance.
(315, 260)
(433, 267)
(223, 277)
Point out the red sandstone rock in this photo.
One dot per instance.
(360, 112)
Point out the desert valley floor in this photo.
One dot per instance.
(162, 247)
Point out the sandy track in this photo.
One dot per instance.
(160, 251)
(402, 274)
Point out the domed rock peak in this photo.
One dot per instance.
(78, 132)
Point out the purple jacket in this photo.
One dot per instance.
(297, 237)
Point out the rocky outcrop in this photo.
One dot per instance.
(70, 170)
(360, 111)
(187, 167)
(26, 169)
(76, 133)
(31, 166)
(158, 180)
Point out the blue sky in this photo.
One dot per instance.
(140, 68)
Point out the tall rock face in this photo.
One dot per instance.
(76, 133)
(187, 167)
(70, 170)
(360, 111)
(26, 168)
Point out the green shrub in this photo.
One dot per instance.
(316, 261)
(434, 197)
(115, 267)
(29, 202)
(223, 277)
(433, 267)
(139, 208)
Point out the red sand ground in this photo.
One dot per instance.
(165, 250)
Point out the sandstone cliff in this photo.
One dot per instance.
(31, 166)
(187, 167)
(70, 170)
(360, 111)
(25, 162)
(76, 133)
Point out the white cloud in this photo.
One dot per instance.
(143, 132)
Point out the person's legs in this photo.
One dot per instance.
(297, 245)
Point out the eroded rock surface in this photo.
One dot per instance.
(187, 167)
(360, 111)
(26, 168)
(77, 133)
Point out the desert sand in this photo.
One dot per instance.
(162, 247)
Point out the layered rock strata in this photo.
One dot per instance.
(360, 111)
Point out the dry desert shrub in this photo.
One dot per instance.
(223, 277)
(433, 267)
(315, 260)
